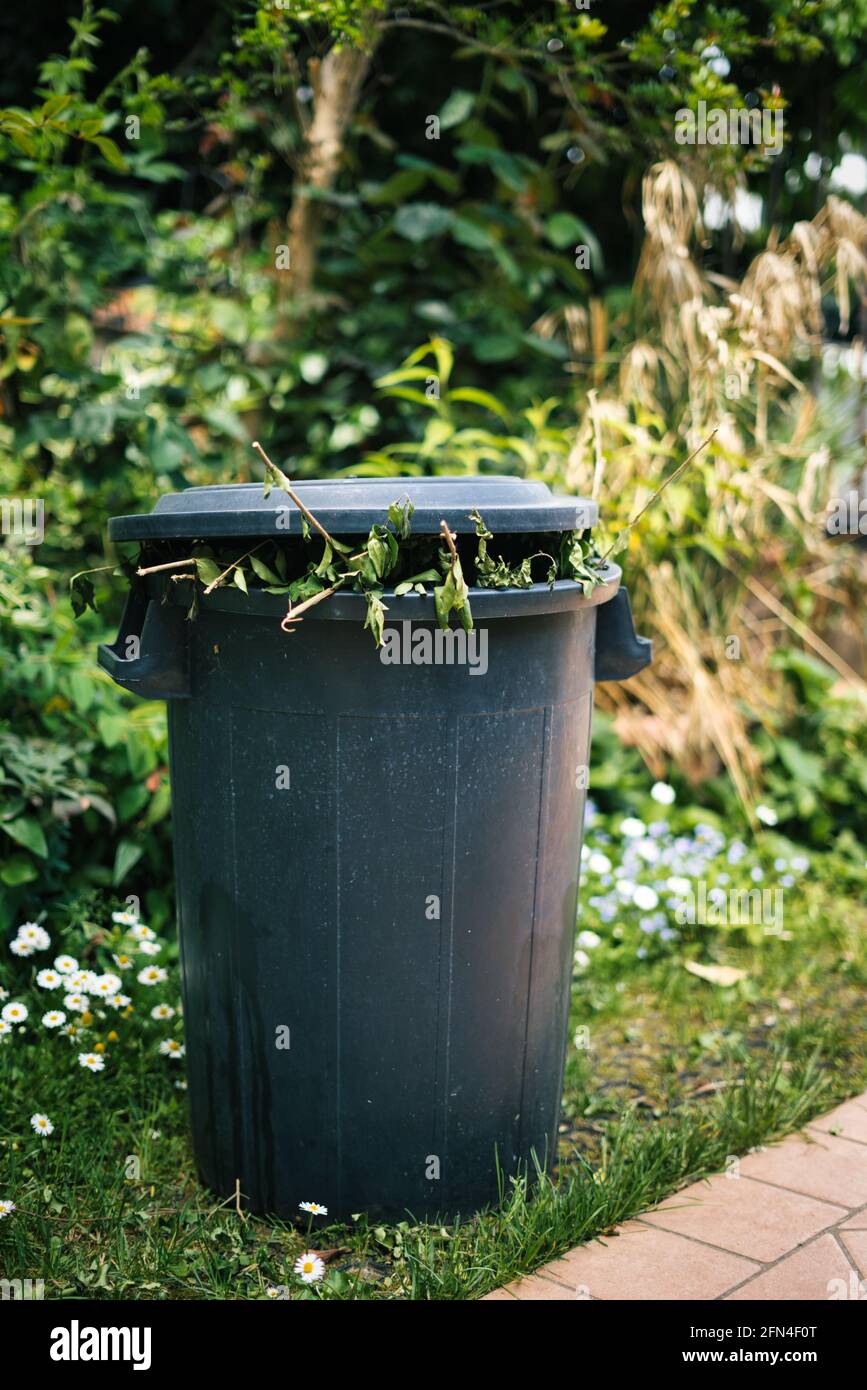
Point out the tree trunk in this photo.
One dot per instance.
(336, 81)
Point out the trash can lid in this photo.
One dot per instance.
(350, 506)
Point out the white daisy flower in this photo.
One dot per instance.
(21, 948)
(766, 815)
(107, 984)
(648, 850)
(4, 993)
(92, 1061)
(67, 965)
(589, 940)
(676, 884)
(119, 1001)
(34, 935)
(314, 1207)
(152, 975)
(54, 1018)
(645, 898)
(599, 863)
(78, 979)
(15, 1012)
(309, 1266)
(150, 948)
(49, 979)
(5, 1028)
(42, 1125)
(124, 919)
(79, 1003)
(633, 828)
(122, 962)
(6, 1208)
(142, 933)
(170, 1048)
(663, 793)
(162, 1011)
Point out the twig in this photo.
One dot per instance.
(284, 484)
(295, 613)
(450, 542)
(649, 503)
(169, 565)
(234, 565)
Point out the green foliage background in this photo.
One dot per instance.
(146, 335)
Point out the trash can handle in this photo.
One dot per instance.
(620, 652)
(150, 655)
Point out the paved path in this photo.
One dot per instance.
(788, 1221)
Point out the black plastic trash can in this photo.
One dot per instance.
(377, 862)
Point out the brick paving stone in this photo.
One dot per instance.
(848, 1120)
(823, 1166)
(642, 1263)
(814, 1272)
(711, 1239)
(855, 1245)
(535, 1289)
(855, 1221)
(745, 1217)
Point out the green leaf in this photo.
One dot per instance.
(806, 767)
(456, 108)
(453, 596)
(400, 515)
(207, 570)
(472, 234)
(82, 689)
(127, 855)
(376, 611)
(110, 152)
(325, 562)
(27, 832)
(111, 728)
(82, 594)
(17, 870)
(400, 186)
(54, 105)
(23, 142)
(263, 571)
(131, 801)
(420, 221)
(477, 397)
(417, 582)
(564, 231)
(240, 579)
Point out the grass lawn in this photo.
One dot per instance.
(672, 1075)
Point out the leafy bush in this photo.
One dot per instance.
(85, 795)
